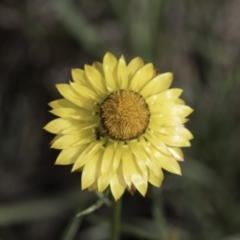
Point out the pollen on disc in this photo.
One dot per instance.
(124, 115)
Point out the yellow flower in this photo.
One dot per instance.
(120, 125)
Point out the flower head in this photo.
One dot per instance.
(120, 125)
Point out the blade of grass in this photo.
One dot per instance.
(72, 229)
(144, 25)
(76, 23)
(157, 212)
(40, 209)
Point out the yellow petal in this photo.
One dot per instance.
(142, 77)
(87, 136)
(166, 96)
(118, 184)
(56, 138)
(107, 159)
(69, 155)
(103, 182)
(122, 74)
(179, 130)
(155, 181)
(80, 78)
(109, 64)
(140, 156)
(150, 164)
(157, 143)
(158, 84)
(184, 132)
(93, 187)
(168, 163)
(99, 67)
(57, 125)
(85, 92)
(155, 127)
(75, 113)
(181, 110)
(132, 173)
(110, 82)
(62, 103)
(90, 151)
(161, 108)
(167, 121)
(74, 129)
(95, 78)
(91, 171)
(118, 149)
(78, 75)
(110, 60)
(140, 183)
(173, 140)
(78, 127)
(179, 101)
(134, 65)
(177, 153)
(67, 92)
(65, 141)
(170, 108)
(139, 152)
(126, 166)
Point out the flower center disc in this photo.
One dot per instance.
(124, 115)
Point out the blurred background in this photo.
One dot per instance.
(199, 41)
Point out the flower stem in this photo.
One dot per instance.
(115, 220)
(71, 231)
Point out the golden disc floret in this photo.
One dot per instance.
(124, 115)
